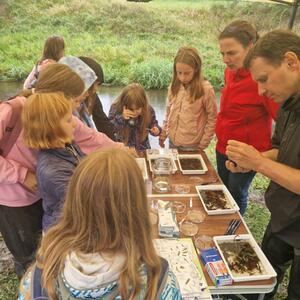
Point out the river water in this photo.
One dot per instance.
(108, 94)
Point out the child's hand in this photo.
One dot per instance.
(154, 130)
(31, 181)
(162, 138)
(127, 113)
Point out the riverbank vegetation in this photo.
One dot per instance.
(134, 41)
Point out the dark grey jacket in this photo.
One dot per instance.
(283, 204)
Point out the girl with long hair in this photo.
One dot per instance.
(91, 105)
(54, 50)
(133, 117)
(191, 104)
(21, 208)
(49, 126)
(101, 247)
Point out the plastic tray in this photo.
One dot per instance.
(218, 187)
(143, 167)
(269, 271)
(163, 151)
(197, 156)
(169, 156)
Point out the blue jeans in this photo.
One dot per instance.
(237, 183)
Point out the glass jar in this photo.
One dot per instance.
(161, 170)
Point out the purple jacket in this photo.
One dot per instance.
(54, 170)
(120, 123)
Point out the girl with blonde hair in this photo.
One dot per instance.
(133, 118)
(54, 49)
(191, 104)
(102, 246)
(49, 126)
(21, 208)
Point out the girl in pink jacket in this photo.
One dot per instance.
(191, 104)
(20, 204)
(54, 50)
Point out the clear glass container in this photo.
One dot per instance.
(162, 169)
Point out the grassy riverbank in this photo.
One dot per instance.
(133, 41)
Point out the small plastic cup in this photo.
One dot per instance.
(188, 228)
(182, 188)
(178, 207)
(203, 242)
(195, 216)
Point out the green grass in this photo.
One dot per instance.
(133, 41)
(8, 286)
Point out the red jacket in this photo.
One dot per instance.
(244, 115)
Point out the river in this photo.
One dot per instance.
(107, 95)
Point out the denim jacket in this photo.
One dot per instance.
(54, 169)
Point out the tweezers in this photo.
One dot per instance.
(233, 226)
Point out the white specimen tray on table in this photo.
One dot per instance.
(268, 271)
(203, 170)
(143, 167)
(233, 207)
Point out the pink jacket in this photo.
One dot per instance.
(36, 69)
(20, 159)
(191, 124)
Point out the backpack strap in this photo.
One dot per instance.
(14, 125)
(37, 292)
(162, 277)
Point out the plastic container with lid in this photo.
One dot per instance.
(162, 169)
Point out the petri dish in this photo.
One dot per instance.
(188, 228)
(203, 242)
(195, 216)
(178, 207)
(182, 188)
(197, 179)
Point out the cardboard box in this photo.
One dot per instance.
(215, 267)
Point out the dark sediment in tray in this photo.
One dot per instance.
(190, 164)
(241, 257)
(214, 200)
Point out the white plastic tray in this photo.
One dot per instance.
(169, 156)
(197, 156)
(143, 167)
(163, 151)
(268, 269)
(218, 187)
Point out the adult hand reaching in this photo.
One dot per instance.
(244, 155)
(234, 168)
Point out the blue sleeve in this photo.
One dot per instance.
(171, 290)
(53, 180)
